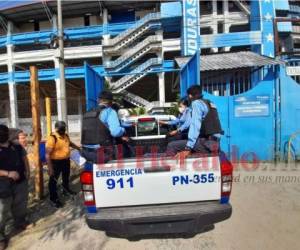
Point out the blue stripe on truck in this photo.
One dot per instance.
(224, 200)
(91, 209)
(88, 166)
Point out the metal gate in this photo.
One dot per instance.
(245, 98)
(290, 112)
(248, 118)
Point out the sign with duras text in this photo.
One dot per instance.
(190, 27)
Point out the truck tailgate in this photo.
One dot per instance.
(144, 182)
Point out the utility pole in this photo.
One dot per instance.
(61, 90)
(36, 125)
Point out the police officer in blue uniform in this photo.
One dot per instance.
(100, 127)
(182, 122)
(205, 127)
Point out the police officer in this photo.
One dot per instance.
(182, 122)
(58, 160)
(99, 128)
(205, 128)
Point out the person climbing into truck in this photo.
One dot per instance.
(205, 127)
(100, 126)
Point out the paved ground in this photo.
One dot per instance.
(266, 215)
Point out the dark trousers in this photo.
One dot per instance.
(179, 136)
(99, 156)
(59, 167)
(107, 153)
(203, 146)
(15, 206)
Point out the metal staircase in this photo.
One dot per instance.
(135, 75)
(129, 47)
(146, 24)
(243, 6)
(150, 44)
(134, 99)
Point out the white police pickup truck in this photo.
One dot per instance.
(150, 193)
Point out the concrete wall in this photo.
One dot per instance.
(73, 22)
(67, 22)
(141, 13)
(74, 123)
(45, 25)
(26, 27)
(95, 20)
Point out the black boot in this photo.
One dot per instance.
(56, 203)
(68, 192)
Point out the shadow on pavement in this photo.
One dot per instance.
(163, 236)
(58, 220)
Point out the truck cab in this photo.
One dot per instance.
(151, 193)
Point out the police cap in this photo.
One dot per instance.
(105, 95)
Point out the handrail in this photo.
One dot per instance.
(138, 24)
(131, 52)
(135, 98)
(137, 70)
(292, 137)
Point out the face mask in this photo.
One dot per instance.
(181, 110)
(61, 131)
(190, 99)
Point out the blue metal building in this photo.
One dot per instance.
(150, 51)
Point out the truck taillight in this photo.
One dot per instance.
(146, 119)
(226, 181)
(86, 179)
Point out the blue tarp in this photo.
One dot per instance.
(94, 84)
(190, 74)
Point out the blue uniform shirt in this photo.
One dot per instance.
(183, 121)
(111, 120)
(199, 111)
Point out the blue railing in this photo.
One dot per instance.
(3, 78)
(44, 37)
(71, 73)
(32, 37)
(84, 32)
(3, 41)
